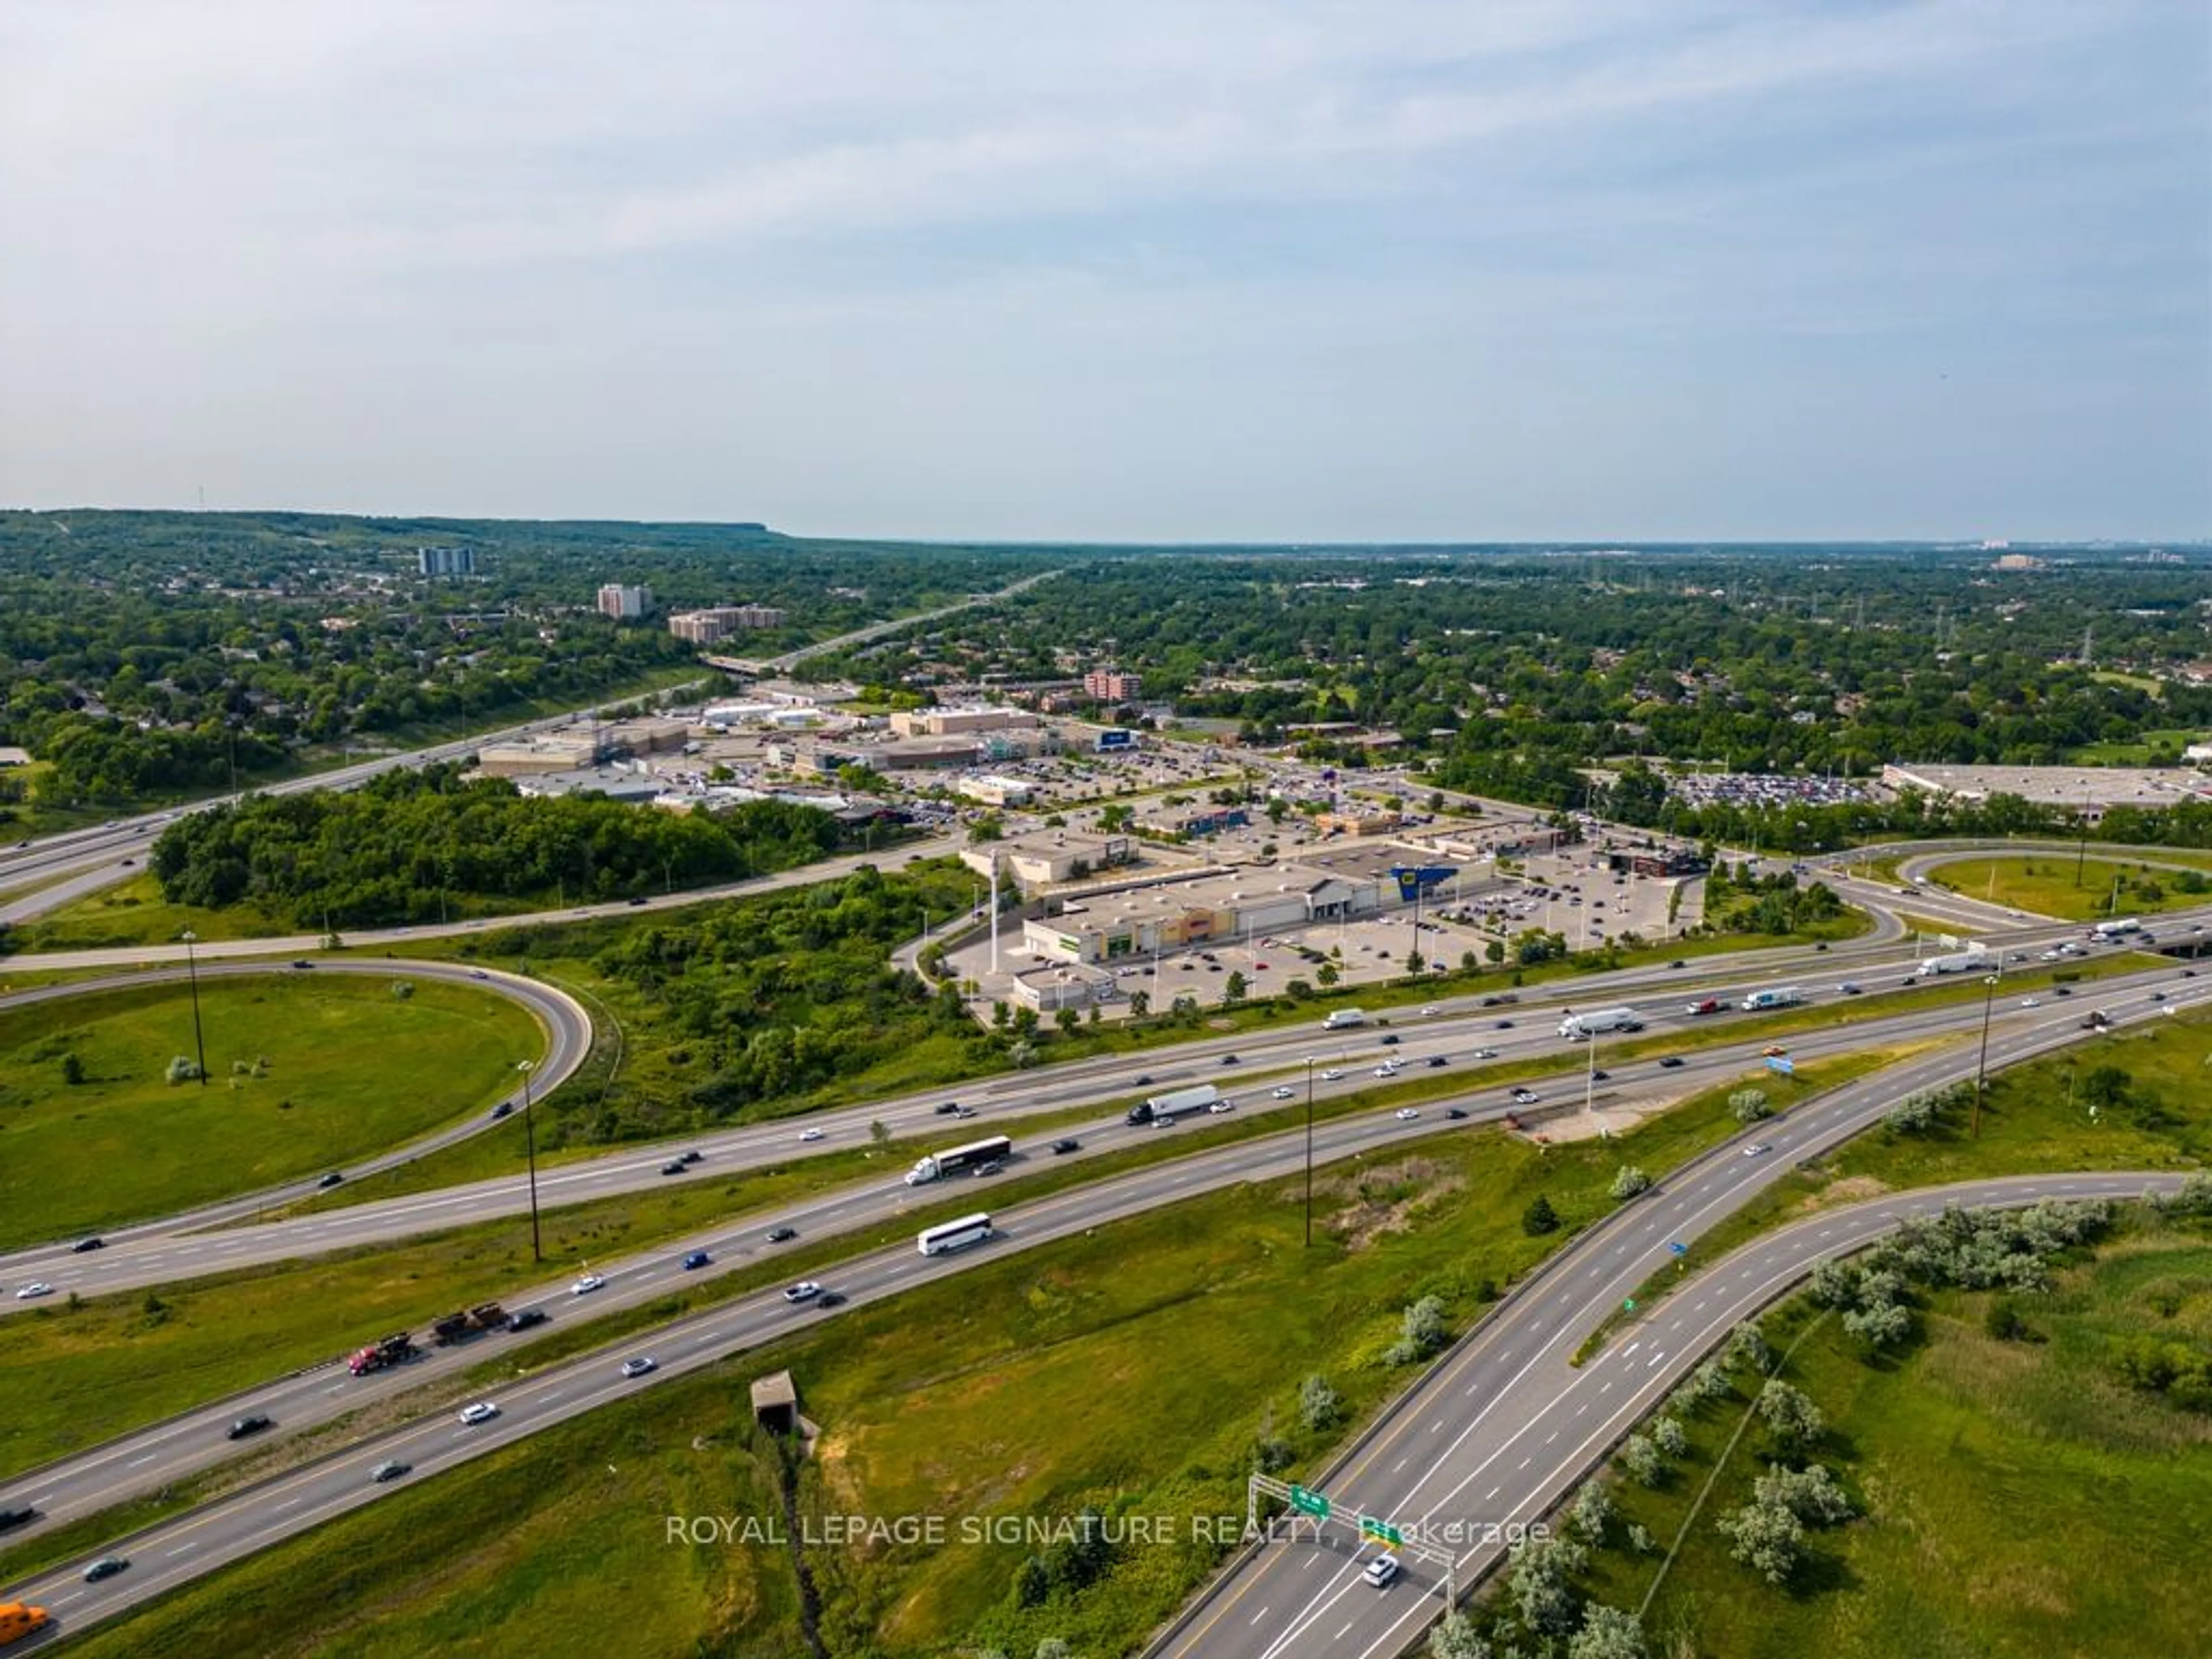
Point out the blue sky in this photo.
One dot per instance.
(1132, 271)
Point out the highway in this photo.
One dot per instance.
(157, 1253)
(163, 1453)
(1527, 1337)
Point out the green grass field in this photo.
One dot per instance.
(2046, 884)
(352, 1070)
(2019, 1502)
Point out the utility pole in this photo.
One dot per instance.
(530, 1151)
(1309, 1120)
(192, 973)
(1982, 1066)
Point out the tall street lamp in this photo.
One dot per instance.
(192, 973)
(530, 1151)
(1982, 1066)
(1309, 1066)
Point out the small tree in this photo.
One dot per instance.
(1881, 1327)
(1764, 1537)
(1629, 1181)
(1670, 1437)
(72, 1070)
(1423, 1331)
(1750, 1105)
(1053, 1647)
(1641, 1459)
(1067, 1019)
(1235, 988)
(1318, 1405)
(1792, 1420)
(1607, 1634)
(1454, 1637)
(1140, 1003)
(1592, 1511)
(1540, 1217)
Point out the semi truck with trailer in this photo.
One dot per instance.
(1780, 996)
(1178, 1103)
(1955, 962)
(392, 1350)
(1576, 1027)
(935, 1166)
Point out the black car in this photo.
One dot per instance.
(329, 1180)
(691, 1156)
(830, 1299)
(674, 1166)
(303, 964)
(635, 901)
(1437, 1059)
(948, 1108)
(1504, 1024)
(1060, 1147)
(1454, 1111)
(22, 1518)
(1142, 1080)
(83, 1245)
(522, 1318)
(107, 1567)
(1669, 1062)
(246, 1426)
(781, 1235)
(1678, 963)
(2062, 990)
(1391, 1040)
(502, 1108)
(1599, 1077)
(1229, 1059)
(390, 1470)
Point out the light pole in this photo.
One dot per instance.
(192, 973)
(1982, 1066)
(530, 1152)
(1309, 1066)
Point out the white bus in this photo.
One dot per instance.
(955, 1235)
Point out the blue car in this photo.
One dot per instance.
(696, 1258)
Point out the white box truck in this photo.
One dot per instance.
(1344, 1019)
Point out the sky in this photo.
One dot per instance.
(1141, 270)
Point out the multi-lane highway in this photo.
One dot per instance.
(1530, 1336)
(163, 1453)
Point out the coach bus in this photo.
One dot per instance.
(955, 1235)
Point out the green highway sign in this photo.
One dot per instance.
(1370, 1527)
(1309, 1503)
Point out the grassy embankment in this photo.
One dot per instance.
(2018, 1500)
(351, 1070)
(2048, 883)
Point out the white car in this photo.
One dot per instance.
(1432, 1009)
(1380, 1570)
(810, 1134)
(1386, 1069)
(587, 1284)
(2031, 1002)
(1407, 1115)
(1756, 1149)
(1332, 1075)
(805, 1291)
(638, 1366)
(483, 1411)
(1283, 1091)
(1221, 1106)
(41, 1288)
(1486, 1054)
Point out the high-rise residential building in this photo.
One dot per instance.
(446, 560)
(624, 604)
(1113, 685)
(712, 626)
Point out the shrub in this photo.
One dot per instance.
(1630, 1181)
(1540, 1217)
